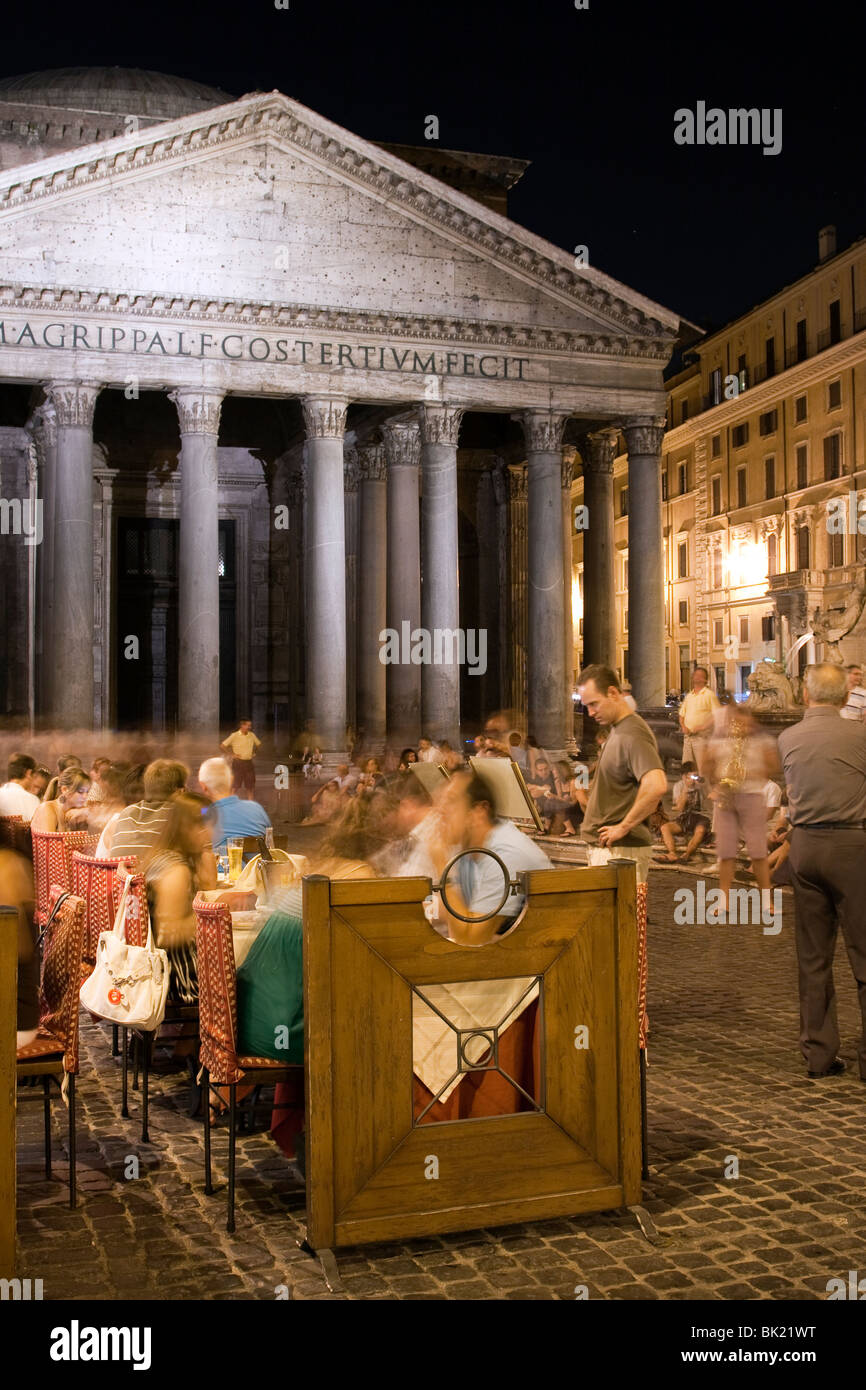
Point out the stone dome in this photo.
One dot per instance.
(115, 91)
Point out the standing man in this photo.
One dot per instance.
(696, 718)
(855, 706)
(629, 780)
(824, 760)
(242, 745)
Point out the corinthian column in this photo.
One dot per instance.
(71, 581)
(646, 597)
(403, 454)
(198, 560)
(325, 550)
(440, 599)
(598, 452)
(351, 482)
(569, 454)
(546, 675)
(372, 596)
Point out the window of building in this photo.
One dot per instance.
(683, 559)
(720, 679)
(625, 674)
(717, 568)
(716, 386)
(623, 502)
(683, 477)
(741, 487)
(800, 409)
(832, 456)
(744, 632)
(625, 620)
(740, 435)
(742, 372)
(836, 548)
(769, 478)
(770, 356)
(768, 627)
(718, 632)
(685, 666)
(664, 485)
(716, 446)
(684, 612)
(684, 412)
(716, 495)
(835, 321)
(834, 395)
(803, 548)
(772, 553)
(802, 347)
(745, 672)
(802, 456)
(769, 422)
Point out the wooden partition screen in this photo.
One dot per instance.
(376, 1170)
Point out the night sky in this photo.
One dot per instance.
(588, 96)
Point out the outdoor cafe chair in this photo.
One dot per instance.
(53, 1053)
(222, 1064)
(97, 882)
(52, 862)
(15, 834)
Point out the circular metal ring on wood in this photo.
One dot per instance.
(484, 916)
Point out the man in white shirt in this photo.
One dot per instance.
(855, 708)
(428, 752)
(696, 718)
(467, 817)
(16, 796)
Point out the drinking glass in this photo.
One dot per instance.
(236, 859)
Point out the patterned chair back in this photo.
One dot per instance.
(137, 916)
(217, 991)
(61, 976)
(96, 881)
(52, 862)
(15, 834)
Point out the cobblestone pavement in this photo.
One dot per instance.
(725, 1082)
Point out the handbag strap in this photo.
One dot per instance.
(52, 914)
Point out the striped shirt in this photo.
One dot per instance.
(138, 828)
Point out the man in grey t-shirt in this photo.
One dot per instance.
(630, 778)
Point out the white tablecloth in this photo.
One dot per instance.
(469, 1005)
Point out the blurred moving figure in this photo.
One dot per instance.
(16, 890)
(737, 765)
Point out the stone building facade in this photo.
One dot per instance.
(762, 456)
(275, 390)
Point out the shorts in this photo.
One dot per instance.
(746, 819)
(244, 773)
(596, 857)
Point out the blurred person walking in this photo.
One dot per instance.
(824, 761)
(855, 705)
(737, 765)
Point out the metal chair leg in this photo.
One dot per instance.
(135, 1060)
(146, 1043)
(124, 1093)
(46, 1109)
(230, 1223)
(71, 1097)
(115, 1047)
(205, 1091)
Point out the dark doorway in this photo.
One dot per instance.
(147, 642)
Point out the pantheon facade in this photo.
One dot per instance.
(268, 390)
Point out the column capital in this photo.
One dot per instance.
(598, 450)
(351, 472)
(371, 462)
(43, 427)
(517, 483)
(74, 401)
(644, 434)
(542, 429)
(198, 411)
(569, 454)
(440, 424)
(324, 416)
(402, 439)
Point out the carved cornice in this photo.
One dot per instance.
(351, 469)
(542, 430)
(769, 526)
(569, 454)
(371, 462)
(74, 402)
(598, 451)
(324, 416)
(384, 176)
(186, 308)
(198, 411)
(402, 443)
(644, 437)
(440, 424)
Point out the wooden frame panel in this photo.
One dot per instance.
(366, 945)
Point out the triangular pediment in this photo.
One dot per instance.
(266, 204)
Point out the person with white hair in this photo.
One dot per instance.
(230, 816)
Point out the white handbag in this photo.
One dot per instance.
(129, 984)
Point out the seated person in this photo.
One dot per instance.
(138, 827)
(182, 862)
(67, 811)
(18, 795)
(691, 816)
(548, 791)
(327, 803)
(230, 817)
(467, 817)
